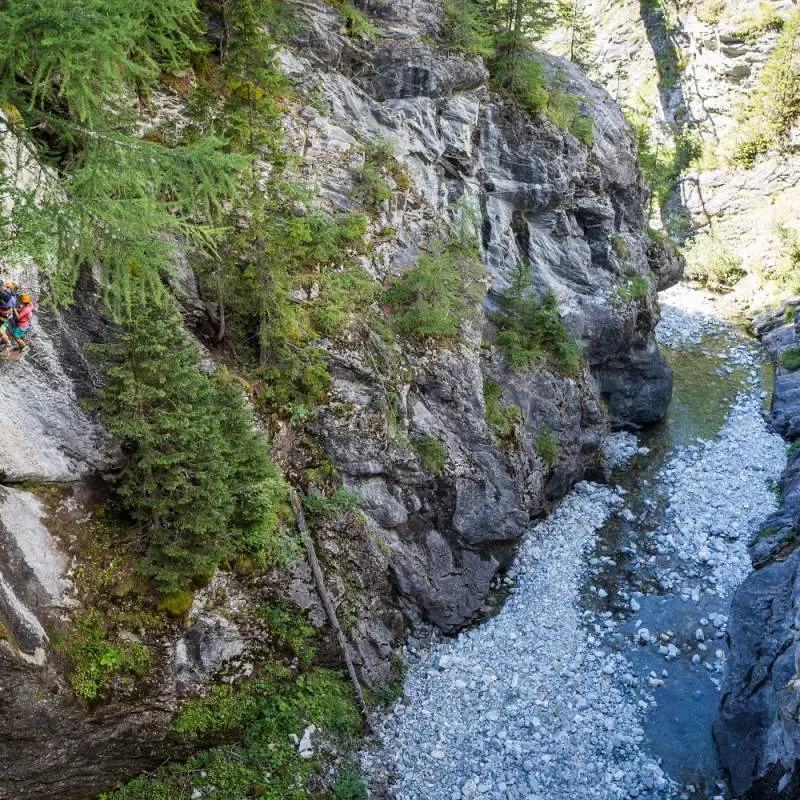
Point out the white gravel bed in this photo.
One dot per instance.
(720, 492)
(620, 448)
(524, 706)
(541, 702)
(686, 315)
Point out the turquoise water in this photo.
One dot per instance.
(678, 728)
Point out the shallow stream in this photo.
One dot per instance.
(601, 675)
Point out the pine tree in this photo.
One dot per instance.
(467, 27)
(80, 59)
(196, 480)
(580, 32)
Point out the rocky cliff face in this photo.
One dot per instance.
(434, 544)
(541, 198)
(757, 730)
(685, 70)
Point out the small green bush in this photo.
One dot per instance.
(358, 25)
(531, 332)
(369, 187)
(710, 11)
(772, 108)
(710, 262)
(502, 420)
(432, 453)
(350, 786)
(432, 299)
(96, 656)
(176, 604)
(292, 630)
(634, 288)
(381, 153)
(545, 447)
(790, 359)
(790, 314)
(754, 25)
(330, 506)
(619, 246)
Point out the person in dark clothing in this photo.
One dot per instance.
(8, 300)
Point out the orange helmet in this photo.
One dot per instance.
(26, 298)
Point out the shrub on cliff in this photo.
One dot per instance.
(196, 480)
(430, 300)
(772, 109)
(710, 262)
(530, 331)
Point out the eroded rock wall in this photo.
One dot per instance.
(687, 69)
(572, 214)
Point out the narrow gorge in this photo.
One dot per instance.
(407, 406)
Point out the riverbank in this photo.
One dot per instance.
(600, 676)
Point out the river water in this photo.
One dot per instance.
(600, 677)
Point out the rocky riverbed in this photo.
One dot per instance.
(600, 676)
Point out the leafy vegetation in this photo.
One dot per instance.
(292, 631)
(350, 786)
(67, 72)
(545, 447)
(619, 247)
(773, 107)
(753, 25)
(256, 719)
(530, 331)
(790, 359)
(502, 420)
(104, 644)
(96, 657)
(432, 453)
(635, 288)
(369, 187)
(504, 33)
(331, 506)
(357, 23)
(663, 161)
(710, 11)
(710, 262)
(432, 299)
(280, 251)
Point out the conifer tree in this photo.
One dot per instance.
(579, 32)
(70, 75)
(196, 480)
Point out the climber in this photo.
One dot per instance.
(8, 300)
(18, 324)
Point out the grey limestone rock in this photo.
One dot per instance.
(757, 730)
(541, 198)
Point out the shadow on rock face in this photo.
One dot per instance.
(638, 392)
